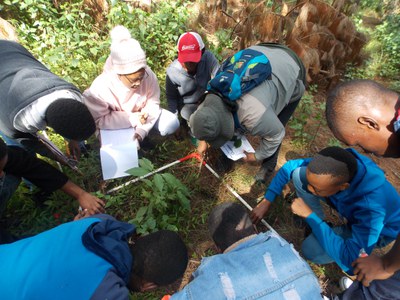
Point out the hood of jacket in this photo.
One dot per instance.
(109, 240)
(368, 178)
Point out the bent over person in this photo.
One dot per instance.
(32, 97)
(16, 163)
(90, 258)
(365, 113)
(250, 265)
(263, 111)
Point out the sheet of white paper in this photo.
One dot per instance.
(234, 153)
(118, 152)
(117, 137)
(115, 160)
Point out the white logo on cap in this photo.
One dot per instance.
(188, 47)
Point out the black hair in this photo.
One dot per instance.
(229, 223)
(71, 119)
(350, 96)
(3, 149)
(160, 257)
(335, 161)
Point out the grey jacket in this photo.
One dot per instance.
(182, 88)
(258, 110)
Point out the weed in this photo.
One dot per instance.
(307, 110)
(164, 200)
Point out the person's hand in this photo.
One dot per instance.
(259, 211)
(202, 148)
(74, 150)
(82, 214)
(250, 157)
(137, 137)
(370, 268)
(143, 118)
(300, 208)
(91, 203)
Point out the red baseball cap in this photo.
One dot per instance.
(190, 45)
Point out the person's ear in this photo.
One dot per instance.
(371, 123)
(148, 286)
(344, 186)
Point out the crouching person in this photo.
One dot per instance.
(251, 265)
(90, 259)
(355, 187)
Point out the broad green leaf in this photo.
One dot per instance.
(146, 164)
(183, 200)
(140, 213)
(138, 171)
(159, 182)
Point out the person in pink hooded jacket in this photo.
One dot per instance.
(127, 93)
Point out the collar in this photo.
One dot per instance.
(234, 245)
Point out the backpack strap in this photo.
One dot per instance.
(302, 73)
(236, 120)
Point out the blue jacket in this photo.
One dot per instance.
(371, 206)
(262, 266)
(85, 259)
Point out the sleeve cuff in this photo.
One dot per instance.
(270, 195)
(313, 220)
(141, 132)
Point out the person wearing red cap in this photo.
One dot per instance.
(188, 75)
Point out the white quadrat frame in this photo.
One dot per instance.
(202, 162)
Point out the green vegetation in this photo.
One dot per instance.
(380, 20)
(165, 200)
(73, 45)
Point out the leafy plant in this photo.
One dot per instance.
(165, 200)
(300, 121)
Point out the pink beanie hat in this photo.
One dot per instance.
(126, 54)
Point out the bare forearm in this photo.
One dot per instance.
(72, 189)
(86, 200)
(391, 261)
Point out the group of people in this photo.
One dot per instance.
(107, 260)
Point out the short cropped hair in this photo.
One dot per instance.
(229, 223)
(3, 149)
(352, 96)
(160, 257)
(334, 161)
(71, 119)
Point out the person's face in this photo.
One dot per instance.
(373, 138)
(3, 163)
(324, 185)
(139, 285)
(190, 67)
(133, 80)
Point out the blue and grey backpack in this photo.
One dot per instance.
(238, 75)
